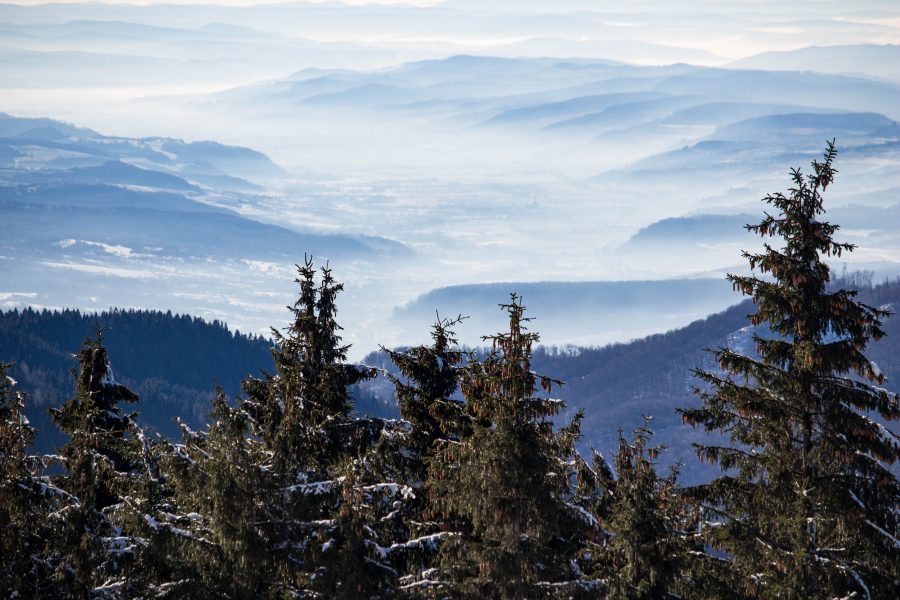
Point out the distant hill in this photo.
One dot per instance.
(693, 236)
(146, 192)
(173, 362)
(47, 144)
(827, 91)
(545, 114)
(703, 228)
(797, 127)
(579, 312)
(170, 223)
(117, 172)
(620, 115)
(720, 113)
(23, 127)
(872, 60)
(617, 384)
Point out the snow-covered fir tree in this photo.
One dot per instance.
(324, 457)
(302, 410)
(425, 389)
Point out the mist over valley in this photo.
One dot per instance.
(186, 157)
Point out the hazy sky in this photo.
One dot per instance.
(228, 2)
(727, 29)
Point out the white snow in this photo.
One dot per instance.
(886, 534)
(876, 370)
(862, 584)
(108, 378)
(315, 488)
(584, 515)
(429, 542)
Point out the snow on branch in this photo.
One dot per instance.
(427, 542)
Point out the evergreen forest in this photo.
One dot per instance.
(480, 488)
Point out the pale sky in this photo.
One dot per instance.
(224, 2)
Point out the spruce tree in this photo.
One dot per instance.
(225, 501)
(323, 457)
(301, 409)
(425, 388)
(27, 498)
(505, 488)
(806, 506)
(100, 459)
(350, 558)
(646, 548)
(163, 561)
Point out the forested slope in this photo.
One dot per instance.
(172, 362)
(618, 384)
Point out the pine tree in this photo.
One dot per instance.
(806, 506)
(505, 487)
(100, 459)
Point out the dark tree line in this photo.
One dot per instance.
(171, 361)
(475, 492)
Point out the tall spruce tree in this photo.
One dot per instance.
(806, 506)
(505, 487)
(325, 457)
(425, 390)
(301, 409)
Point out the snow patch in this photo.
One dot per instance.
(741, 341)
(108, 377)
